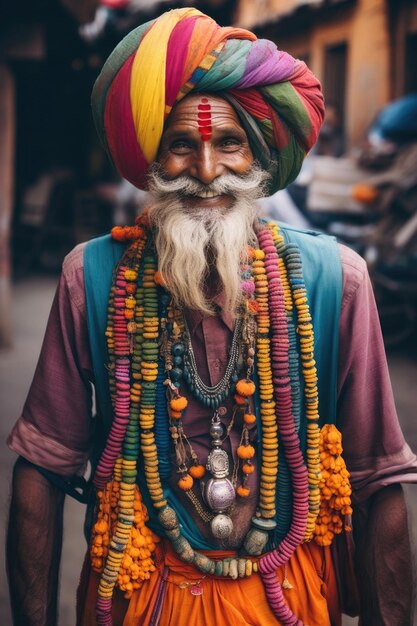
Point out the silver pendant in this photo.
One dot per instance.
(218, 463)
(221, 526)
(219, 494)
(255, 541)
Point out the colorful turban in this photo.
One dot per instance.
(278, 100)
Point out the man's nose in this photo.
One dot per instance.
(206, 166)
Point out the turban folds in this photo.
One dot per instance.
(276, 97)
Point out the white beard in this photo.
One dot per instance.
(196, 244)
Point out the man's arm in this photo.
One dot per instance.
(376, 455)
(383, 559)
(34, 545)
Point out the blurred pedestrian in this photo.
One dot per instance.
(331, 141)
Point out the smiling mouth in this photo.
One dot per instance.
(208, 199)
(207, 194)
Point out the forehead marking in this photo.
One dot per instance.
(204, 119)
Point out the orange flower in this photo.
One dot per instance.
(248, 468)
(118, 233)
(97, 564)
(242, 491)
(131, 274)
(179, 403)
(126, 233)
(245, 452)
(250, 251)
(239, 399)
(130, 302)
(159, 280)
(335, 489)
(130, 288)
(245, 387)
(132, 232)
(197, 471)
(249, 418)
(185, 482)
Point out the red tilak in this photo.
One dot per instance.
(204, 119)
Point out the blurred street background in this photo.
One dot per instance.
(57, 186)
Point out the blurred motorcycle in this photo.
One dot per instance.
(390, 248)
(370, 203)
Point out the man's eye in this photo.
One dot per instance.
(231, 143)
(180, 146)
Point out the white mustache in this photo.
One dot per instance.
(228, 184)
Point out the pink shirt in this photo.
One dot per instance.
(56, 426)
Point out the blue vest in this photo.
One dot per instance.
(323, 279)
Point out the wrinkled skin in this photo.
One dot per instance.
(185, 151)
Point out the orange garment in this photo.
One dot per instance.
(243, 602)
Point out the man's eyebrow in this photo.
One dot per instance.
(178, 134)
(229, 130)
(172, 133)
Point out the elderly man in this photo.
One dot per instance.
(228, 360)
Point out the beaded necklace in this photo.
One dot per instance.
(138, 321)
(212, 396)
(219, 491)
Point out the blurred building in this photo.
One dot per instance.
(57, 186)
(37, 46)
(363, 51)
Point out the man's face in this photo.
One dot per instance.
(204, 139)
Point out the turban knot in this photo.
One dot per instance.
(276, 97)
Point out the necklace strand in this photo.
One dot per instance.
(214, 395)
(135, 326)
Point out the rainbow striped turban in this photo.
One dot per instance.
(277, 98)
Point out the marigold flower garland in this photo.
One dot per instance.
(136, 565)
(335, 489)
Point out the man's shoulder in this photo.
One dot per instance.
(352, 262)
(324, 251)
(75, 260)
(72, 276)
(303, 232)
(355, 271)
(319, 251)
(353, 265)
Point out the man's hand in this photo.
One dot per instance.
(383, 559)
(34, 547)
